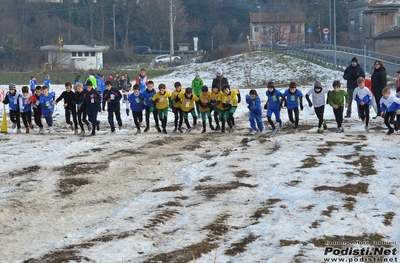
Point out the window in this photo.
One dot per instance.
(92, 54)
(86, 54)
(80, 54)
(398, 20)
(264, 30)
(73, 54)
(292, 29)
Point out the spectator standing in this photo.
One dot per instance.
(378, 83)
(351, 74)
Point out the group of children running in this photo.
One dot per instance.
(336, 98)
(213, 105)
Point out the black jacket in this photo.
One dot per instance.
(378, 80)
(351, 74)
(69, 98)
(220, 82)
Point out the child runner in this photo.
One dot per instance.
(293, 97)
(337, 99)
(26, 108)
(216, 105)
(188, 104)
(11, 98)
(112, 97)
(136, 107)
(162, 100)
(142, 80)
(149, 107)
(46, 101)
(388, 106)
(230, 101)
(37, 110)
(254, 103)
(69, 105)
(318, 99)
(81, 112)
(273, 106)
(363, 97)
(204, 102)
(91, 100)
(396, 127)
(177, 107)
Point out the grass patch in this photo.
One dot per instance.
(287, 243)
(388, 218)
(293, 183)
(206, 179)
(81, 168)
(329, 210)
(323, 151)
(171, 188)
(315, 224)
(310, 162)
(336, 143)
(366, 164)
(323, 242)
(191, 147)
(69, 185)
(217, 229)
(211, 191)
(350, 201)
(264, 209)
(161, 218)
(97, 149)
(171, 203)
(240, 247)
(27, 170)
(242, 174)
(348, 189)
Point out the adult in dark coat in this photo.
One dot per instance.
(351, 74)
(378, 83)
(219, 80)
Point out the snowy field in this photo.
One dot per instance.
(212, 197)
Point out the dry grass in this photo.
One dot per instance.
(171, 188)
(348, 189)
(211, 191)
(81, 168)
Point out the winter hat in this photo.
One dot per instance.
(318, 84)
(398, 89)
(219, 71)
(204, 89)
(11, 86)
(177, 84)
(354, 59)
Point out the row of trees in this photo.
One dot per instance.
(27, 25)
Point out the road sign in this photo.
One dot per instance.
(309, 29)
(325, 31)
(326, 38)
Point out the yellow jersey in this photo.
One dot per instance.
(204, 100)
(217, 97)
(231, 98)
(188, 104)
(174, 96)
(162, 102)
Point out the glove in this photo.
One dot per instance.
(301, 107)
(170, 104)
(310, 104)
(177, 99)
(226, 105)
(211, 106)
(156, 100)
(204, 104)
(266, 106)
(248, 107)
(151, 109)
(127, 112)
(174, 110)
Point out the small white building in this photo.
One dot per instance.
(80, 57)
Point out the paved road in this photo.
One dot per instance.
(391, 68)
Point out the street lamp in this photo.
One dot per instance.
(334, 28)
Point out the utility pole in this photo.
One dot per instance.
(171, 40)
(115, 41)
(334, 27)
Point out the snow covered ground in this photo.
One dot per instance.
(203, 197)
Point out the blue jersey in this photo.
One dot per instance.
(292, 99)
(273, 99)
(146, 97)
(47, 82)
(254, 105)
(47, 104)
(12, 100)
(23, 105)
(136, 102)
(32, 85)
(390, 104)
(362, 95)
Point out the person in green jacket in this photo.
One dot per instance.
(337, 99)
(197, 85)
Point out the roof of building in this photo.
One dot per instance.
(75, 48)
(281, 17)
(391, 33)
